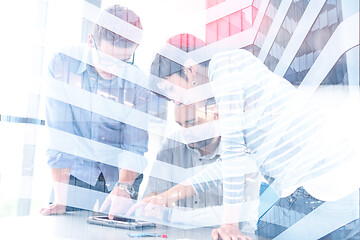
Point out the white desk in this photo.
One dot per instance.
(74, 226)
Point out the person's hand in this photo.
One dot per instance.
(228, 232)
(153, 206)
(53, 209)
(118, 200)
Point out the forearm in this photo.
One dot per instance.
(120, 198)
(60, 178)
(127, 176)
(179, 192)
(207, 179)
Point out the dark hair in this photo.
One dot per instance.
(101, 33)
(163, 67)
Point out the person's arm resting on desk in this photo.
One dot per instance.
(61, 180)
(59, 117)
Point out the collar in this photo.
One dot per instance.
(209, 156)
(217, 152)
(85, 57)
(83, 66)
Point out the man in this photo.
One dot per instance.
(173, 153)
(266, 128)
(86, 164)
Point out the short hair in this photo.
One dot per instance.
(102, 33)
(163, 67)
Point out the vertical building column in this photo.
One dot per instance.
(87, 25)
(350, 7)
(30, 135)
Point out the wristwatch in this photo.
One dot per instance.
(128, 188)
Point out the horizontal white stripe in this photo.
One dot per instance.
(225, 8)
(109, 21)
(274, 29)
(95, 151)
(128, 72)
(99, 152)
(114, 110)
(335, 47)
(236, 41)
(311, 12)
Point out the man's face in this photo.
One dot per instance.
(197, 113)
(110, 58)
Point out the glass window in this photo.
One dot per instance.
(149, 119)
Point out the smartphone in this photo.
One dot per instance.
(120, 222)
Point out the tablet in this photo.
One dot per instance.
(120, 222)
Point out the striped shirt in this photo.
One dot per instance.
(266, 127)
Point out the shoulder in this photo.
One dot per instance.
(135, 77)
(70, 53)
(171, 145)
(228, 62)
(230, 56)
(65, 60)
(232, 53)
